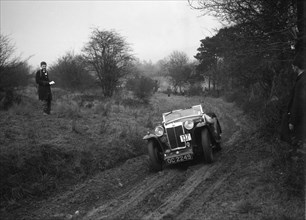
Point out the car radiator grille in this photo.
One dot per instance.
(174, 136)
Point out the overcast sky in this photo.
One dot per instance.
(46, 30)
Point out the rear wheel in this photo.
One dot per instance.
(207, 146)
(218, 138)
(155, 155)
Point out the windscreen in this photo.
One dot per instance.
(194, 111)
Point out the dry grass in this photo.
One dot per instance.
(261, 184)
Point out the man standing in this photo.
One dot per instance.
(44, 90)
(297, 104)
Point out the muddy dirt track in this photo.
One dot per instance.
(179, 191)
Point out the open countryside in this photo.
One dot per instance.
(86, 157)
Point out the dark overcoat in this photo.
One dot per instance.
(44, 90)
(297, 107)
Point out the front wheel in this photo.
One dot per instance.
(155, 155)
(207, 146)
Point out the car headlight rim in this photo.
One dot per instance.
(159, 131)
(189, 124)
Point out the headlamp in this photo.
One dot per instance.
(189, 124)
(159, 131)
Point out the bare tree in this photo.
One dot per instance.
(14, 72)
(109, 56)
(271, 23)
(6, 51)
(70, 72)
(178, 68)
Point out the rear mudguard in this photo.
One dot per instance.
(210, 131)
(213, 115)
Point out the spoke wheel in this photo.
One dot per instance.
(218, 142)
(156, 160)
(207, 146)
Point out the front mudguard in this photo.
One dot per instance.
(150, 136)
(153, 137)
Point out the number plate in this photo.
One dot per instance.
(178, 159)
(185, 137)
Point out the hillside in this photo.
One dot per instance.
(88, 161)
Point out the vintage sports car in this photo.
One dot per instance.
(183, 135)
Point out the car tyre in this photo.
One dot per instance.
(207, 146)
(218, 139)
(156, 161)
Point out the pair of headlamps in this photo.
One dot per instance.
(159, 130)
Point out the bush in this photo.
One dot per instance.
(270, 116)
(70, 72)
(237, 96)
(142, 87)
(254, 107)
(14, 73)
(195, 89)
(12, 77)
(8, 98)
